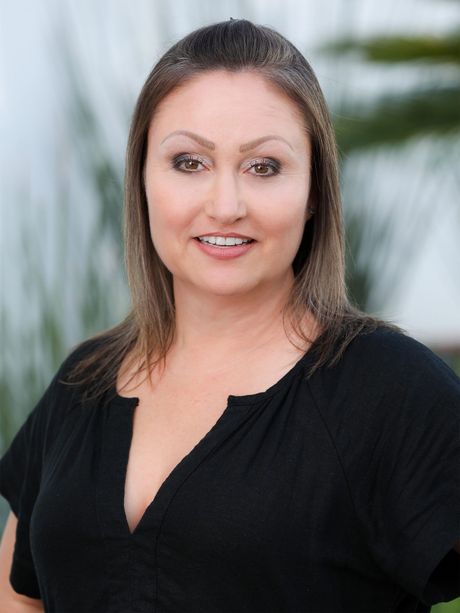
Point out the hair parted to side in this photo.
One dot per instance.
(319, 286)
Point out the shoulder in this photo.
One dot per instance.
(45, 419)
(392, 357)
(76, 355)
(387, 401)
(409, 366)
(384, 374)
(50, 414)
(62, 393)
(385, 345)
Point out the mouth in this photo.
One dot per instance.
(224, 241)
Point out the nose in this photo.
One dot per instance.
(225, 203)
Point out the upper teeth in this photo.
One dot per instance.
(223, 240)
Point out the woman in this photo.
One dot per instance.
(245, 440)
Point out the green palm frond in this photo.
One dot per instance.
(395, 119)
(398, 49)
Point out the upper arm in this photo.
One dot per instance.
(7, 595)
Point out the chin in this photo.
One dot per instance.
(226, 286)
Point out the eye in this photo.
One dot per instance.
(266, 167)
(187, 163)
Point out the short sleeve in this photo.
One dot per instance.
(413, 478)
(21, 469)
(20, 474)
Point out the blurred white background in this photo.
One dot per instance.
(108, 47)
(70, 72)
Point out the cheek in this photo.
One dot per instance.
(283, 211)
(161, 222)
(167, 213)
(170, 218)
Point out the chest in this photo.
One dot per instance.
(166, 427)
(172, 417)
(259, 498)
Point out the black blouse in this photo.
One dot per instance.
(337, 493)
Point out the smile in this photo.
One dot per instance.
(224, 241)
(224, 247)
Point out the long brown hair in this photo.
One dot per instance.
(146, 335)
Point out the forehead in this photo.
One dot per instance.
(235, 102)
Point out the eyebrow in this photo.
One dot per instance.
(210, 145)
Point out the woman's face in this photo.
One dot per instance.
(227, 155)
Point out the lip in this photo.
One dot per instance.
(227, 235)
(224, 253)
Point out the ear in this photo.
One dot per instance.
(310, 209)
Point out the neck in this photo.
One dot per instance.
(215, 329)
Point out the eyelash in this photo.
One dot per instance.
(271, 163)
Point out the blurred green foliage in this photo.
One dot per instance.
(395, 118)
(447, 607)
(397, 49)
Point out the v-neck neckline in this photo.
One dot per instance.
(116, 445)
